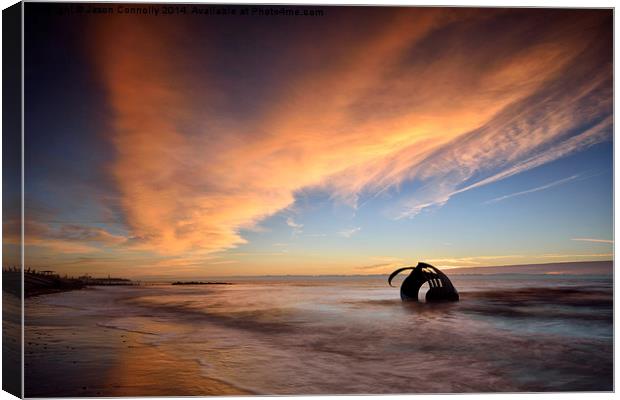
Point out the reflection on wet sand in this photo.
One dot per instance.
(345, 335)
(141, 369)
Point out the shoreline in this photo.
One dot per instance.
(80, 357)
(264, 339)
(36, 283)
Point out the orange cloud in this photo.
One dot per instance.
(402, 100)
(64, 239)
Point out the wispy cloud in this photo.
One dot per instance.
(484, 261)
(386, 264)
(593, 240)
(595, 255)
(297, 228)
(192, 173)
(347, 233)
(536, 189)
(67, 238)
(472, 260)
(464, 161)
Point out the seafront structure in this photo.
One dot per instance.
(441, 288)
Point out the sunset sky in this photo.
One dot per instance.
(350, 143)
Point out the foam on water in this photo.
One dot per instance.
(354, 335)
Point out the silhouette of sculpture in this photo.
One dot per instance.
(441, 289)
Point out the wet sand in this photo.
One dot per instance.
(322, 336)
(11, 343)
(81, 358)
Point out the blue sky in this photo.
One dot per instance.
(551, 206)
(355, 142)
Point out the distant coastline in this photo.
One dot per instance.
(567, 268)
(38, 282)
(46, 282)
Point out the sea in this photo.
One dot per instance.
(322, 335)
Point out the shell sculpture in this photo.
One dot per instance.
(441, 289)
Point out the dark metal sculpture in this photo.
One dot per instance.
(441, 289)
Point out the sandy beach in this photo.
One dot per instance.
(321, 336)
(11, 343)
(80, 357)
